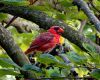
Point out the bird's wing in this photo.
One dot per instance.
(41, 40)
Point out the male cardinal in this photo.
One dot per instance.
(46, 41)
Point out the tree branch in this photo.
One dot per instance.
(45, 22)
(82, 4)
(16, 54)
(21, 25)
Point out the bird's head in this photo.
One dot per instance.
(56, 30)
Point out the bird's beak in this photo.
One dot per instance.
(60, 30)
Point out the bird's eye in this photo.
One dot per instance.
(56, 28)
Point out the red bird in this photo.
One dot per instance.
(46, 41)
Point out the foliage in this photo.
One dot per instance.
(95, 73)
(2, 16)
(15, 2)
(49, 66)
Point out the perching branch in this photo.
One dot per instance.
(82, 4)
(14, 52)
(7, 42)
(44, 21)
(21, 25)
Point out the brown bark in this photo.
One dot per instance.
(16, 54)
(21, 25)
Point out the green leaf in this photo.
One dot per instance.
(53, 72)
(73, 13)
(79, 15)
(50, 59)
(65, 72)
(4, 62)
(2, 16)
(47, 59)
(8, 72)
(75, 58)
(93, 56)
(77, 50)
(31, 67)
(81, 71)
(96, 73)
(37, 71)
(89, 47)
(15, 2)
(3, 55)
(61, 16)
(66, 3)
(97, 3)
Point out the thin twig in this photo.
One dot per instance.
(32, 1)
(8, 24)
(83, 22)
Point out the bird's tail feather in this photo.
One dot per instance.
(28, 51)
